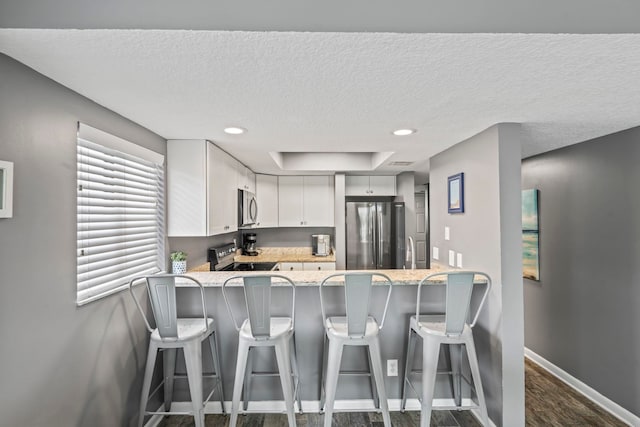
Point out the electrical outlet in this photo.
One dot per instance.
(392, 367)
(459, 260)
(447, 233)
(452, 258)
(436, 253)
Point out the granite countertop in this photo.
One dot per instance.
(285, 255)
(313, 278)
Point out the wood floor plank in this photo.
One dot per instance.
(549, 402)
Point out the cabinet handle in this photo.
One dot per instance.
(301, 222)
(319, 268)
(291, 268)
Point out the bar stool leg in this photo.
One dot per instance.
(169, 363)
(455, 356)
(333, 367)
(193, 362)
(248, 376)
(408, 366)
(475, 373)
(323, 381)
(296, 372)
(215, 354)
(284, 367)
(379, 376)
(430, 352)
(241, 365)
(146, 382)
(374, 392)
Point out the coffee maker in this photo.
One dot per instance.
(249, 244)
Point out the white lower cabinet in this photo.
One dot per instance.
(318, 266)
(307, 266)
(291, 266)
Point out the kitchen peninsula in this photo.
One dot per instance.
(309, 329)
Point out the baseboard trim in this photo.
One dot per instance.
(604, 402)
(313, 406)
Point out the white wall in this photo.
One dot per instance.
(488, 235)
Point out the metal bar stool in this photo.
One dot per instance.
(452, 329)
(260, 329)
(356, 328)
(172, 333)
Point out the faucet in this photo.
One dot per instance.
(412, 250)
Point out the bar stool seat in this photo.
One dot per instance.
(188, 329)
(279, 326)
(338, 327)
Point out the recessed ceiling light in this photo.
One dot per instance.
(404, 132)
(234, 130)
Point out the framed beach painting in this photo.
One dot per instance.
(530, 235)
(455, 192)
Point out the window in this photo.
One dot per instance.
(120, 213)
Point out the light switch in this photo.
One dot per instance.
(452, 258)
(446, 233)
(436, 253)
(459, 260)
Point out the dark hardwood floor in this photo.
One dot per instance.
(548, 403)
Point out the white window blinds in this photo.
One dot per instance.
(120, 213)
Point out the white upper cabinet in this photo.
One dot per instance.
(267, 198)
(186, 187)
(318, 201)
(305, 201)
(246, 178)
(201, 189)
(370, 185)
(222, 192)
(290, 201)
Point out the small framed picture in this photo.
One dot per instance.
(456, 193)
(6, 189)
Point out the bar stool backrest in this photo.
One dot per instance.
(458, 298)
(357, 291)
(162, 293)
(257, 294)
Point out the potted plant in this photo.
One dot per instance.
(178, 262)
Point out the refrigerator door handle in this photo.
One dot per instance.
(374, 234)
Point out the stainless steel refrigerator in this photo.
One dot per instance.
(375, 235)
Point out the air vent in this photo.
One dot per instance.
(400, 163)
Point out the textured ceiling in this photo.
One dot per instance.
(339, 92)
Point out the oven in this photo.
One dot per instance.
(221, 259)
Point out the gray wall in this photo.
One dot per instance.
(582, 315)
(463, 16)
(62, 364)
(488, 234)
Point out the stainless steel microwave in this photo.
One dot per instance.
(247, 208)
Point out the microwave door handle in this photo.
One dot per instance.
(253, 210)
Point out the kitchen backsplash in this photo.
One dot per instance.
(196, 247)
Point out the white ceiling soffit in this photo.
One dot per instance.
(346, 92)
(329, 162)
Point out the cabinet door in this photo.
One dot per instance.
(356, 185)
(319, 266)
(267, 198)
(251, 181)
(186, 187)
(291, 266)
(222, 191)
(382, 185)
(318, 201)
(290, 201)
